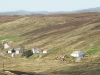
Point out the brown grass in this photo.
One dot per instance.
(59, 33)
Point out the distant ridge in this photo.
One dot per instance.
(20, 12)
(23, 12)
(97, 9)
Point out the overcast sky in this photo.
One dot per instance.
(47, 5)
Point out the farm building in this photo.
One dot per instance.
(11, 51)
(19, 50)
(77, 54)
(13, 54)
(5, 44)
(46, 51)
(36, 50)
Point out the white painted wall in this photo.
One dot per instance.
(6, 46)
(77, 54)
(36, 50)
(46, 51)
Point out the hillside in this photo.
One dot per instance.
(61, 33)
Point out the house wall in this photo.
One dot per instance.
(9, 51)
(13, 55)
(75, 55)
(36, 51)
(46, 51)
(17, 52)
(6, 46)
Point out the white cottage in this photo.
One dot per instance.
(5, 44)
(36, 50)
(46, 51)
(11, 51)
(19, 50)
(77, 54)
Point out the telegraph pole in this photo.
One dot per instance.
(3, 65)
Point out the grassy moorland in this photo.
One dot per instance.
(61, 34)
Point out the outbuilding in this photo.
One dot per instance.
(77, 54)
(5, 44)
(36, 50)
(46, 51)
(13, 54)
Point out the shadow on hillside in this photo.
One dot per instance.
(81, 69)
(22, 73)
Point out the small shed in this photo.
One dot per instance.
(13, 54)
(11, 51)
(36, 50)
(46, 51)
(77, 54)
(19, 50)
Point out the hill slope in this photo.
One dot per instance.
(53, 30)
(60, 33)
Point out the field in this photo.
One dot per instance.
(61, 34)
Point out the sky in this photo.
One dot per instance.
(47, 5)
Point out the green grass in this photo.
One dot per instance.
(8, 37)
(13, 38)
(93, 51)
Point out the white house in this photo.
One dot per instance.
(36, 50)
(5, 44)
(46, 51)
(11, 51)
(19, 50)
(77, 54)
